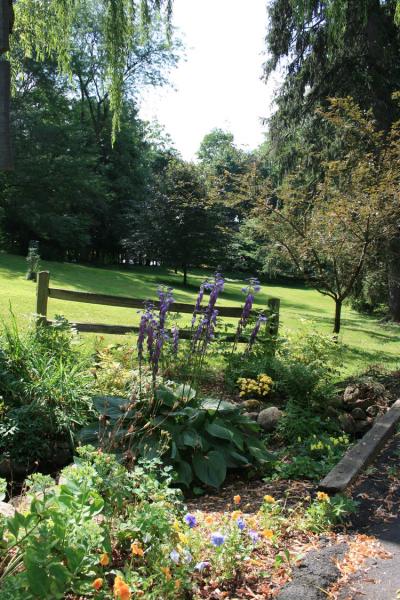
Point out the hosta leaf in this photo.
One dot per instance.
(185, 391)
(111, 406)
(210, 468)
(217, 430)
(166, 396)
(192, 438)
(184, 472)
(212, 404)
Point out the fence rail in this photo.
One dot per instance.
(44, 292)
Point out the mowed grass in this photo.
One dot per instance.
(365, 340)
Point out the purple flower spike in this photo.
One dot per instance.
(175, 339)
(254, 333)
(166, 299)
(190, 520)
(217, 539)
(141, 336)
(252, 289)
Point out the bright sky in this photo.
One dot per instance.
(218, 85)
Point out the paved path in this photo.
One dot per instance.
(379, 515)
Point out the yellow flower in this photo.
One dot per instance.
(267, 534)
(104, 559)
(269, 499)
(176, 525)
(183, 538)
(237, 499)
(322, 497)
(121, 589)
(178, 584)
(97, 583)
(137, 549)
(167, 573)
(236, 514)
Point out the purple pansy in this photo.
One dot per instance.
(190, 520)
(217, 539)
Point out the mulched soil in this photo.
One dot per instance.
(259, 578)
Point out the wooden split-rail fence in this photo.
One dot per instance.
(45, 292)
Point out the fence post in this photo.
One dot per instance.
(42, 296)
(274, 305)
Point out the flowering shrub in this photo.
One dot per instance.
(255, 387)
(108, 533)
(326, 511)
(200, 437)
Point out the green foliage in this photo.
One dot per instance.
(45, 388)
(325, 512)
(303, 367)
(50, 34)
(313, 456)
(33, 261)
(200, 439)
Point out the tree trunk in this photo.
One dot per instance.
(6, 25)
(5, 136)
(338, 312)
(185, 275)
(394, 278)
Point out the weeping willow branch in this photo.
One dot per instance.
(45, 30)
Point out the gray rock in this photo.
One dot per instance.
(6, 509)
(358, 414)
(372, 411)
(351, 394)
(362, 426)
(269, 418)
(251, 415)
(347, 423)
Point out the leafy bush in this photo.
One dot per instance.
(200, 439)
(45, 387)
(302, 367)
(312, 457)
(115, 534)
(326, 512)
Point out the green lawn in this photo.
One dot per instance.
(366, 340)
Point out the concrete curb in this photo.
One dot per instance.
(364, 452)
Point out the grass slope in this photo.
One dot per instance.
(366, 341)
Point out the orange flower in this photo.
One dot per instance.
(237, 499)
(268, 534)
(322, 497)
(121, 589)
(137, 549)
(178, 584)
(104, 559)
(167, 573)
(209, 520)
(97, 583)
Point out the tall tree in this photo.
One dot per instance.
(329, 235)
(46, 27)
(175, 224)
(326, 49)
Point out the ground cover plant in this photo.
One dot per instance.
(105, 532)
(45, 390)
